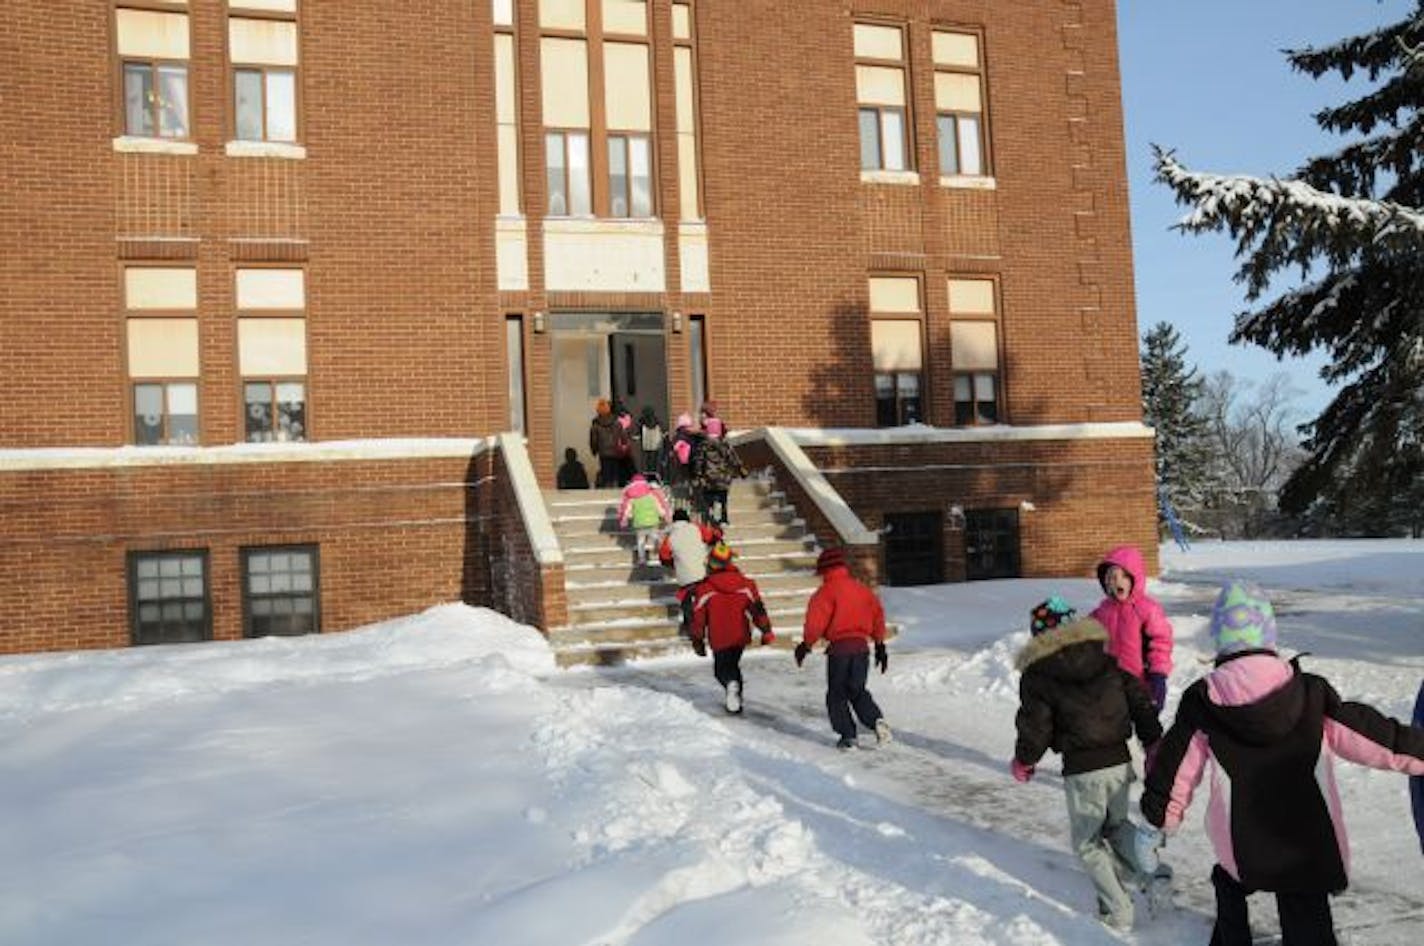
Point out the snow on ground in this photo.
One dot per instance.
(436, 780)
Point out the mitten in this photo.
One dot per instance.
(882, 659)
(1150, 755)
(1022, 773)
(1157, 686)
(801, 651)
(768, 637)
(699, 647)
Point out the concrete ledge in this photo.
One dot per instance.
(132, 145)
(909, 178)
(265, 149)
(869, 437)
(542, 539)
(80, 458)
(815, 485)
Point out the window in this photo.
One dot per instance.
(914, 548)
(280, 595)
(168, 597)
(991, 544)
(272, 354)
(959, 104)
(264, 57)
(880, 92)
(685, 89)
(506, 108)
(598, 160)
(153, 61)
(974, 351)
(697, 357)
(895, 339)
(514, 352)
(161, 351)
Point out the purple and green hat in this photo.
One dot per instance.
(1242, 619)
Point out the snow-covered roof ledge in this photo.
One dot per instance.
(836, 510)
(82, 458)
(535, 515)
(920, 433)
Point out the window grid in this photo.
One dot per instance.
(684, 14)
(885, 139)
(281, 591)
(963, 143)
(630, 174)
(978, 391)
(900, 392)
(165, 412)
(168, 597)
(155, 97)
(258, 115)
(274, 409)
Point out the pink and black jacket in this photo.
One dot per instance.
(1265, 734)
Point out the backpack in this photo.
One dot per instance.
(652, 438)
(622, 444)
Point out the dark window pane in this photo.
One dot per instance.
(948, 149)
(138, 98)
(907, 389)
(886, 414)
(248, 88)
(914, 548)
(171, 601)
(869, 139)
(258, 401)
(291, 411)
(148, 414)
(173, 101)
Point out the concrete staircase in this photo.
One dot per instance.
(619, 610)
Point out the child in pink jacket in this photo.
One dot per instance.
(1265, 735)
(1139, 634)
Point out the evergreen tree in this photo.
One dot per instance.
(1350, 222)
(1170, 390)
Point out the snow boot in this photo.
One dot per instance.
(883, 735)
(847, 742)
(734, 697)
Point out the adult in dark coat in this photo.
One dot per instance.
(605, 436)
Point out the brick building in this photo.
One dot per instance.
(276, 272)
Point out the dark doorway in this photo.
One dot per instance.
(991, 544)
(914, 548)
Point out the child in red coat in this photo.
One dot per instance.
(726, 608)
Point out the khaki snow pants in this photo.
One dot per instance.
(1101, 835)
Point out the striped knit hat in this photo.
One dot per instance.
(720, 556)
(1242, 619)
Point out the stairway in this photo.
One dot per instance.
(619, 610)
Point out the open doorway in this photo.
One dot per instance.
(619, 356)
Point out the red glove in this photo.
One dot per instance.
(768, 637)
(801, 651)
(1022, 773)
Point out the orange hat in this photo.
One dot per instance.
(721, 556)
(604, 408)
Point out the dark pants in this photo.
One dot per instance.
(687, 595)
(610, 470)
(1305, 917)
(845, 690)
(727, 665)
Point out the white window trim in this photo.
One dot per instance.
(132, 144)
(265, 149)
(910, 178)
(975, 182)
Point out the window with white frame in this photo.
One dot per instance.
(272, 353)
(161, 352)
(974, 351)
(959, 104)
(881, 97)
(153, 50)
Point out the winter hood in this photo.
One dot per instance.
(1256, 696)
(638, 488)
(728, 579)
(1129, 559)
(1058, 651)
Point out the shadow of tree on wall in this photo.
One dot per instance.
(476, 579)
(841, 392)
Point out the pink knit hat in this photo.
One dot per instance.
(714, 427)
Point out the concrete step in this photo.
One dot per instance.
(736, 535)
(750, 522)
(593, 571)
(604, 612)
(614, 552)
(595, 592)
(586, 500)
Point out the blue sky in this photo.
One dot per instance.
(1207, 79)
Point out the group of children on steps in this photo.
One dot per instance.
(1265, 730)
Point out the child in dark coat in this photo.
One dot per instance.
(1076, 700)
(1269, 732)
(728, 606)
(1416, 782)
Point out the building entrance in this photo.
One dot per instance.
(619, 356)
